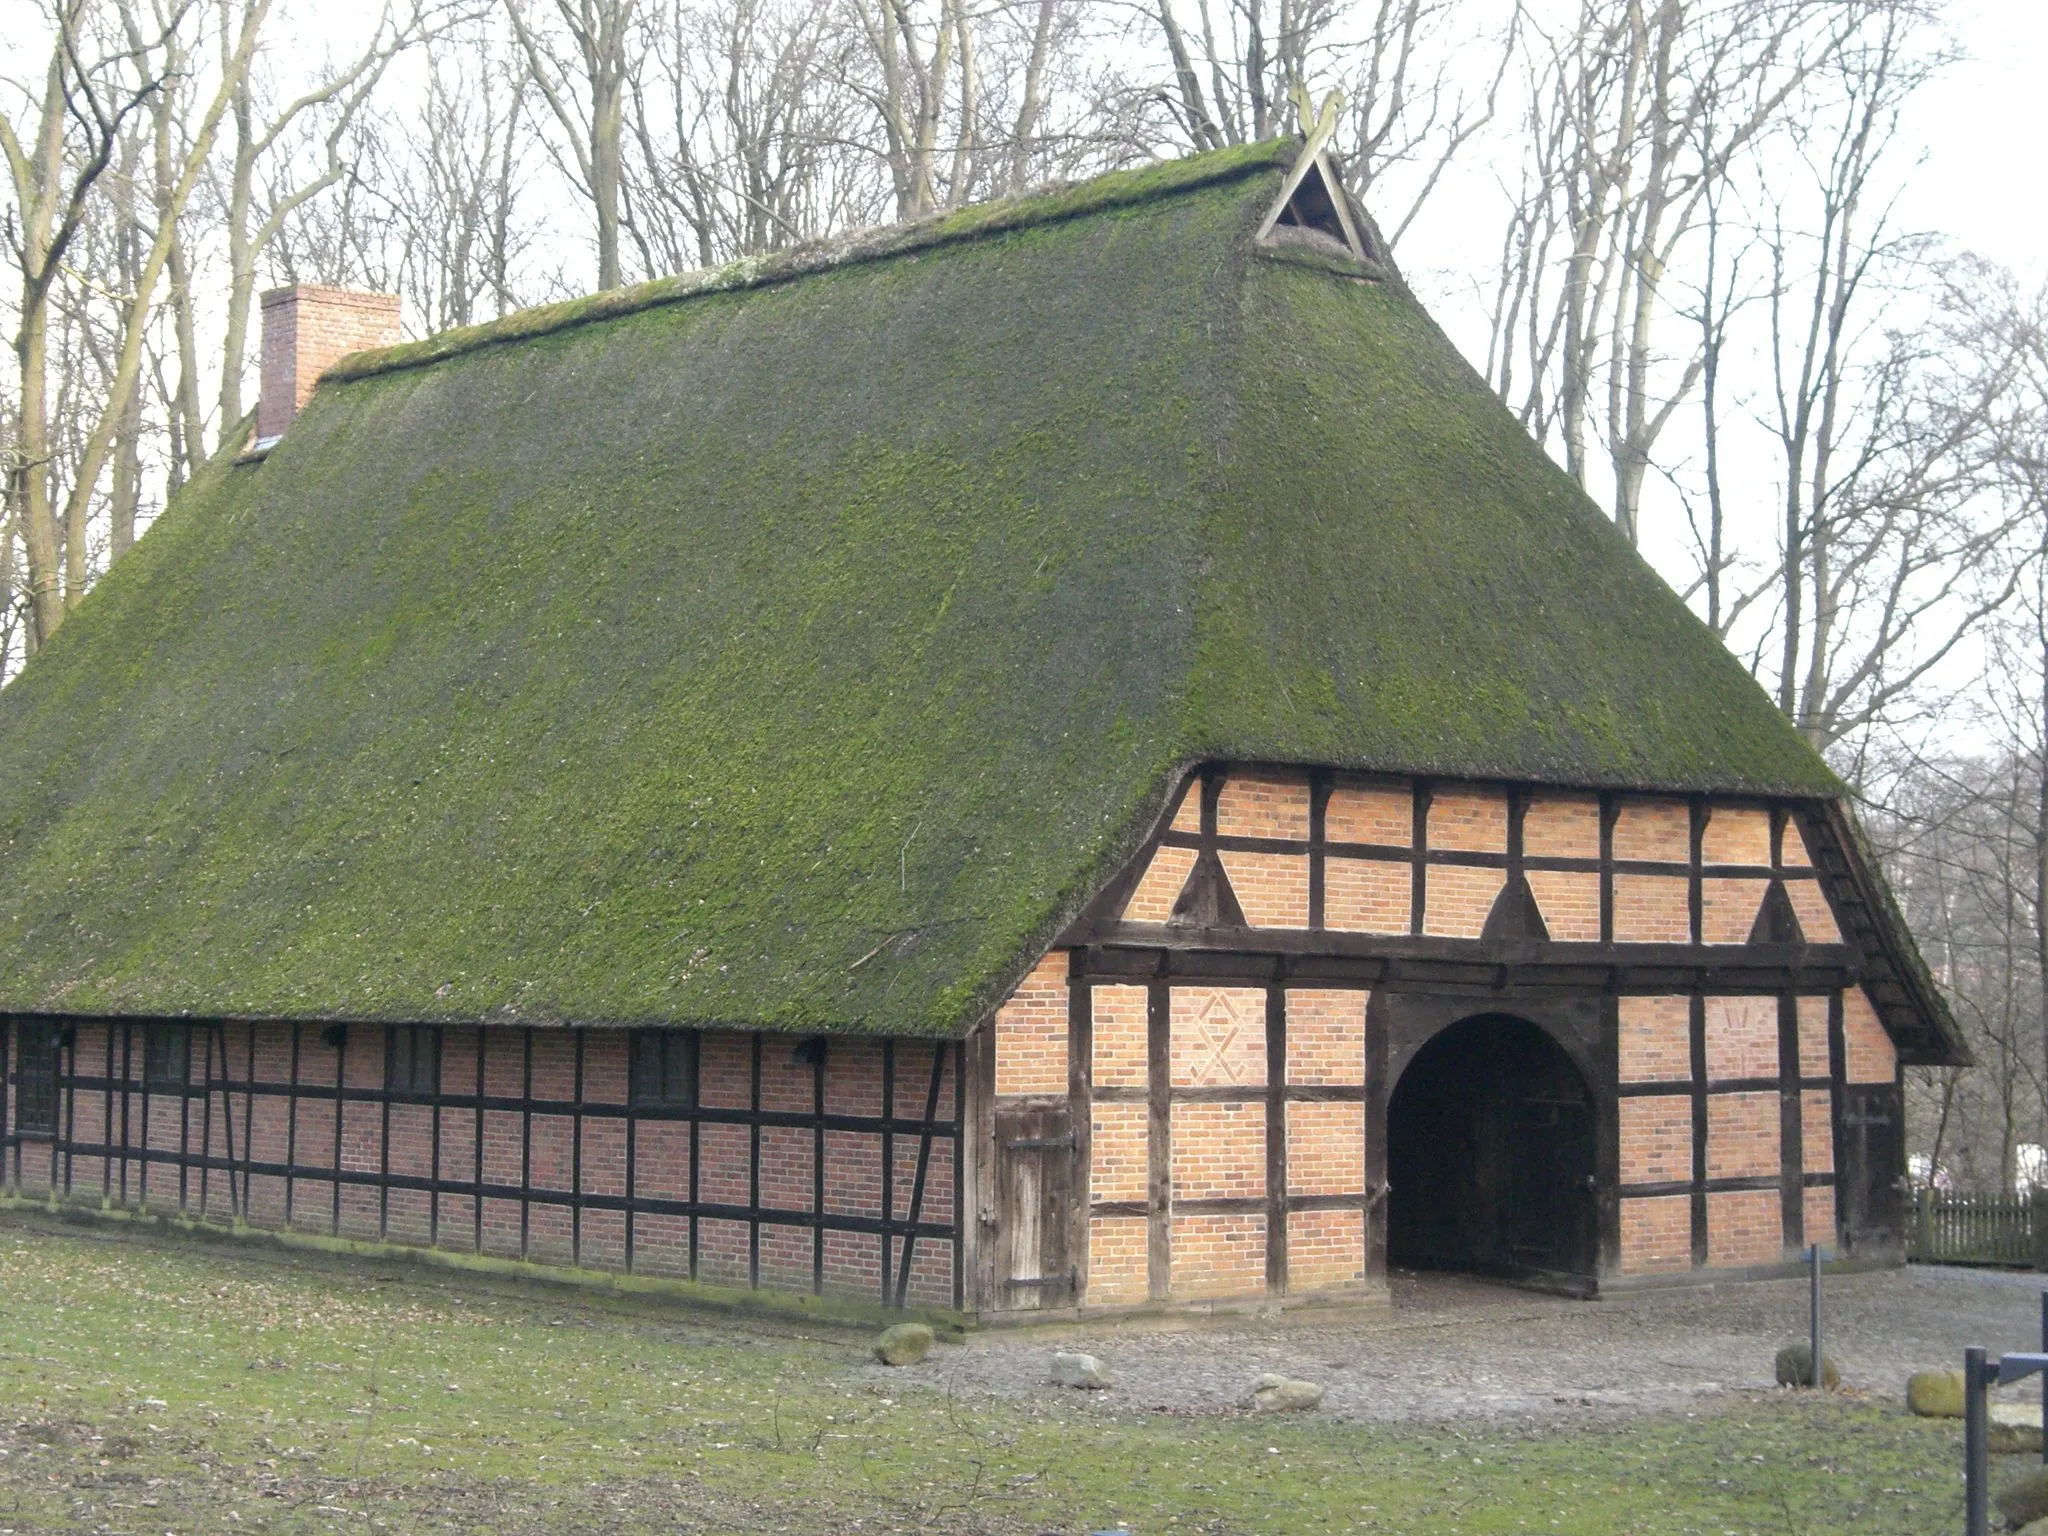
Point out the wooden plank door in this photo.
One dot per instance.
(1035, 1176)
(1871, 1175)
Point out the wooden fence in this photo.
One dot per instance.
(1977, 1229)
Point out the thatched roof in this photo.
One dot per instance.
(799, 646)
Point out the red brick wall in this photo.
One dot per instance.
(1031, 1032)
(1458, 899)
(1120, 1015)
(1656, 1138)
(415, 1164)
(1263, 805)
(1370, 814)
(1728, 909)
(1742, 1037)
(1742, 1135)
(1656, 1039)
(1469, 820)
(1570, 903)
(1656, 1235)
(1272, 888)
(1562, 826)
(1160, 886)
(1868, 1053)
(1745, 1227)
(1367, 895)
(305, 329)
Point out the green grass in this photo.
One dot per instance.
(153, 1385)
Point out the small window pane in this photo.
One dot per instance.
(35, 1080)
(412, 1059)
(664, 1068)
(167, 1056)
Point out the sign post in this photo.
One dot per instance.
(1819, 1380)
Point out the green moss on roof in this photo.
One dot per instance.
(802, 655)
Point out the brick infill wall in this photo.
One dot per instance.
(822, 1166)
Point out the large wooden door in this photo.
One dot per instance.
(1035, 1191)
(1549, 1215)
(1872, 1169)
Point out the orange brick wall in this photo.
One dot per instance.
(1118, 1153)
(1325, 1149)
(1469, 820)
(1218, 1037)
(1820, 1215)
(1867, 1049)
(1367, 895)
(1031, 1032)
(1728, 909)
(1370, 814)
(1795, 854)
(1458, 898)
(1816, 1133)
(1187, 816)
(1813, 1037)
(1325, 1036)
(1120, 1033)
(1745, 1227)
(1656, 1039)
(1160, 886)
(1219, 1151)
(1272, 888)
(1652, 909)
(1742, 1037)
(1258, 805)
(1325, 1250)
(1561, 827)
(1654, 829)
(1742, 1135)
(1737, 835)
(1569, 902)
(1118, 1268)
(1656, 1234)
(1219, 1255)
(1656, 1139)
(1816, 917)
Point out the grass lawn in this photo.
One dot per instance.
(157, 1385)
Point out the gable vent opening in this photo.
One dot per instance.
(1313, 210)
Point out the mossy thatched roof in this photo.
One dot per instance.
(800, 646)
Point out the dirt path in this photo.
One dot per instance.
(1457, 1348)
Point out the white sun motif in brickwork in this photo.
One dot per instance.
(1221, 1046)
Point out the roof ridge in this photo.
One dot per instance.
(1045, 204)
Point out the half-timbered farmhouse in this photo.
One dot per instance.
(1069, 756)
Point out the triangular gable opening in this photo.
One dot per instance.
(1515, 915)
(1776, 921)
(1312, 207)
(1312, 204)
(1207, 901)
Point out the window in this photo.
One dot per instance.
(412, 1059)
(166, 1056)
(35, 1080)
(664, 1068)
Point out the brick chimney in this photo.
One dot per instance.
(306, 328)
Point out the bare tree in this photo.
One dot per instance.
(254, 206)
(580, 66)
(1636, 113)
(916, 54)
(89, 91)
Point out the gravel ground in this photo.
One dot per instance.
(1457, 1348)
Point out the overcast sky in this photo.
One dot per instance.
(1985, 124)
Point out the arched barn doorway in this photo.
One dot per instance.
(1490, 1155)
